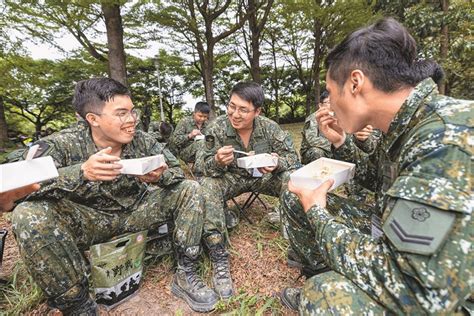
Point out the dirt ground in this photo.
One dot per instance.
(258, 266)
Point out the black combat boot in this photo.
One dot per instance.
(75, 302)
(219, 256)
(290, 297)
(188, 285)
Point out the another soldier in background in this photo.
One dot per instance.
(182, 143)
(161, 131)
(91, 201)
(241, 129)
(315, 145)
(422, 261)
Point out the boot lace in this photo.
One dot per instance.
(190, 268)
(221, 263)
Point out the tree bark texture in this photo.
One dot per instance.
(3, 125)
(116, 54)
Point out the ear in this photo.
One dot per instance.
(258, 111)
(357, 80)
(91, 118)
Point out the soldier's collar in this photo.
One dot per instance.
(408, 110)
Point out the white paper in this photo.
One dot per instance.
(308, 176)
(18, 174)
(199, 137)
(141, 166)
(257, 161)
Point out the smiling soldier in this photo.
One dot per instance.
(92, 201)
(242, 129)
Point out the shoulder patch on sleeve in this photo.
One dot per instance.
(210, 141)
(417, 228)
(43, 149)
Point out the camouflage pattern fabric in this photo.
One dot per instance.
(219, 190)
(54, 226)
(314, 146)
(154, 130)
(180, 144)
(423, 175)
(222, 183)
(369, 145)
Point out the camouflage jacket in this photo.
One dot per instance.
(179, 139)
(314, 145)
(369, 145)
(154, 130)
(267, 137)
(71, 147)
(422, 173)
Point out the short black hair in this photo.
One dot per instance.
(202, 107)
(91, 95)
(387, 55)
(249, 91)
(324, 95)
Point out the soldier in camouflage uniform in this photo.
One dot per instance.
(161, 131)
(182, 142)
(92, 201)
(314, 146)
(241, 129)
(421, 261)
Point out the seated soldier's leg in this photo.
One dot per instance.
(182, 203)
(333, 294)
(188, 154)
(301, 236)
(273, 185)
(51, 237)
(216, 192)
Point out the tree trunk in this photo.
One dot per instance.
(444, 42)
(116, 54)
(3, 125)
(208, 80)
(317, 33)
(275, 79)
(254, 43)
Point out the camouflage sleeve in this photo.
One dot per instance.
(379, 269)
(174, 174)
(153, 127)
(205, 162)
(366, 165)
(287, 156)
(179, 138)
(368, 146)
(313, 145)
(70, 176)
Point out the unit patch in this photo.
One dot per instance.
(417, 228)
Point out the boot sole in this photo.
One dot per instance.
(195, 306)
(287, 303)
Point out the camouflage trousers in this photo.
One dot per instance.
(333, 294)
(356, 192)
(218, 190)
(299, 230)
(52, 235)
(327, 293)
(188, 154)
